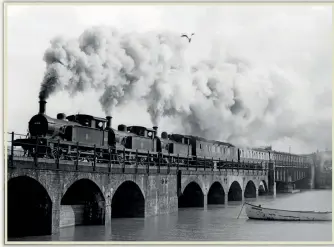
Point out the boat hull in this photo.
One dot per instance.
(259, 213)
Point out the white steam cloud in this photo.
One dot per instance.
(223, 97)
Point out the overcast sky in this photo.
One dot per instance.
(294, 40)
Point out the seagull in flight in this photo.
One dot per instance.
(189, 39)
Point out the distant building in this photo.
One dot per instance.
(323, 169)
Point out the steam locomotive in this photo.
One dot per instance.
(84, 137)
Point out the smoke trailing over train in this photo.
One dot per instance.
(224, 97)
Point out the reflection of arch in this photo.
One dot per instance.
(263, 188)
(250, 190)
(128, 201)
(85, 203)
(216, 194)
(29, 208)
(192, 196)
(235, 192)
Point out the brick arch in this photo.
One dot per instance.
(255, 182)
(69, 180)
(236, 179)
(221, 182)
(43, 182)
(24, 194)
(196, 180)
(111, 191)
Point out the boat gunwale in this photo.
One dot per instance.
(327, 212)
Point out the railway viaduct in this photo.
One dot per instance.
(44, 196)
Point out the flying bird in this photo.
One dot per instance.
(189, 39)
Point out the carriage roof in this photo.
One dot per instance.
(197, 138)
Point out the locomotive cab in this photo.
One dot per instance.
(142, 131)
(88, 121)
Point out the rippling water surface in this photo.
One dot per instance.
(215, 223)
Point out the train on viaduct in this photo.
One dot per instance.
(79, 170)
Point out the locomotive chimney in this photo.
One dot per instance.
(42, 104)
(155, 129)
(109, 121)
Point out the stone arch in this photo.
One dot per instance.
(216, 193)
(29, 208)
(83, 203)
(192, 196)
(128, 201)
(40, 178)
(110, 193)
(71, 178)
(223, 183)
(250, 189)
(195, 179)
(263, 188)
(235, 192)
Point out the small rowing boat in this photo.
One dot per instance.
(260, 213)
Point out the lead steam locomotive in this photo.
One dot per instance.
(83, 137)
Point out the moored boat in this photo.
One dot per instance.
(260, 213)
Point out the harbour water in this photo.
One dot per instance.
(214, 223)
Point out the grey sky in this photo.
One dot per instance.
(294, 41)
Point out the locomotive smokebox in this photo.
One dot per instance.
(42, 104)
(109, 121)
(164, 135)
(61, 116)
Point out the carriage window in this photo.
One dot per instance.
(200, 146)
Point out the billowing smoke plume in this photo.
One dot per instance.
(223, 98)
(119, 65)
